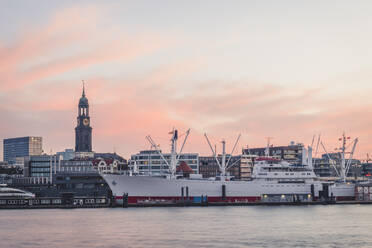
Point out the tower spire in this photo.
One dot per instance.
(83, 88)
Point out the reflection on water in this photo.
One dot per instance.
(255, 226)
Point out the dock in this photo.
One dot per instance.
(55, 202)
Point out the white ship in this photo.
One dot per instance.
(10, 193)
(272, 180)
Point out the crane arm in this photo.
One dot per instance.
(351, 157)
(329, 158)
(213, 152)
(236, 142)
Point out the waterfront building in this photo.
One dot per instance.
(77, 183)
(83, 130)
(106, 165)
(208, 166)
(76, 166)
(150, 162)
(246, 166)
(40, 165)
(109, 162)
(50, 175)
(291, 153)
(323, 168)
(67, 154)
(367, 169)
(3, 164)
(43, 166)
(324, 163)
(21, 147)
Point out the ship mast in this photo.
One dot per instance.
(346, 166)
(224, 165)
(174, 156)
(267, 150)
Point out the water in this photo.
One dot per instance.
(254, 226)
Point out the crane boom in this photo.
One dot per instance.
(236, 142)
(351, 157)
(329, 158)
(213, 152)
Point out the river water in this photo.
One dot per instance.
(249, 226)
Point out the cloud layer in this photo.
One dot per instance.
(149, 81)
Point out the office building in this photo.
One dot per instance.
(150, 162)
(21, 147)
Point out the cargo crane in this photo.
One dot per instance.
(345, 165)
(175, 156)
(224, 165)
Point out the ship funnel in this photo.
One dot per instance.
(304, 156)
(310, 157)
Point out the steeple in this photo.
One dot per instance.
(83, 102)
(83, 95)
(83, 130)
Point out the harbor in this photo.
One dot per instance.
(82, 178)
(185, 124)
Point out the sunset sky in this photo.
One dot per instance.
(285, 69)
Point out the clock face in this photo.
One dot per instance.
(86, 122)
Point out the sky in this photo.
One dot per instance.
(283, 69)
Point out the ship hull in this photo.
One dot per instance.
(141, 189)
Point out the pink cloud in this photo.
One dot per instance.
(35, 100)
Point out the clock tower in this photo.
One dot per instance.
(83, 130)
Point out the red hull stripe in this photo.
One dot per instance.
(165, 199)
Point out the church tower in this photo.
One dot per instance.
(83, 130)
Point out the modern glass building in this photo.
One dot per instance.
(21, 147)
(43, 165)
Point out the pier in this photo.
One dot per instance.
(55, 202)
